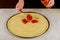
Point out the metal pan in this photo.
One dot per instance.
(24, 13)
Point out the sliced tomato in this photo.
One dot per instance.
(29, 17)
(34, 21)
(24, 21)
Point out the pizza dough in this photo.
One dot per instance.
(28, 24)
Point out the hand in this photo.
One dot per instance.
(20, 5)
(48, 3)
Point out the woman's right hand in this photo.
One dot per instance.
(48, 3)
(20, 5)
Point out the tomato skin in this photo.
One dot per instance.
(24, 21)
(34, 21)
(29, 17)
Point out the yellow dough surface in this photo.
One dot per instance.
(18, 28)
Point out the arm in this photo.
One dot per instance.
(20, 5)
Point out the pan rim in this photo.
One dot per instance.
(24, 13)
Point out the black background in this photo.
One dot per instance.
(28, 4)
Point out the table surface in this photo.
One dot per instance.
(53, 16)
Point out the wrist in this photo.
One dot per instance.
(21, 1)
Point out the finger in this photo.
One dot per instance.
(45, 2)
(51, 3)
(17, 5)
(19, 8)
(49, 7)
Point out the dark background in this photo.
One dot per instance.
(28, 4)
(8, 3)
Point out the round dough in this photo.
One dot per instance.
(28, 30)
